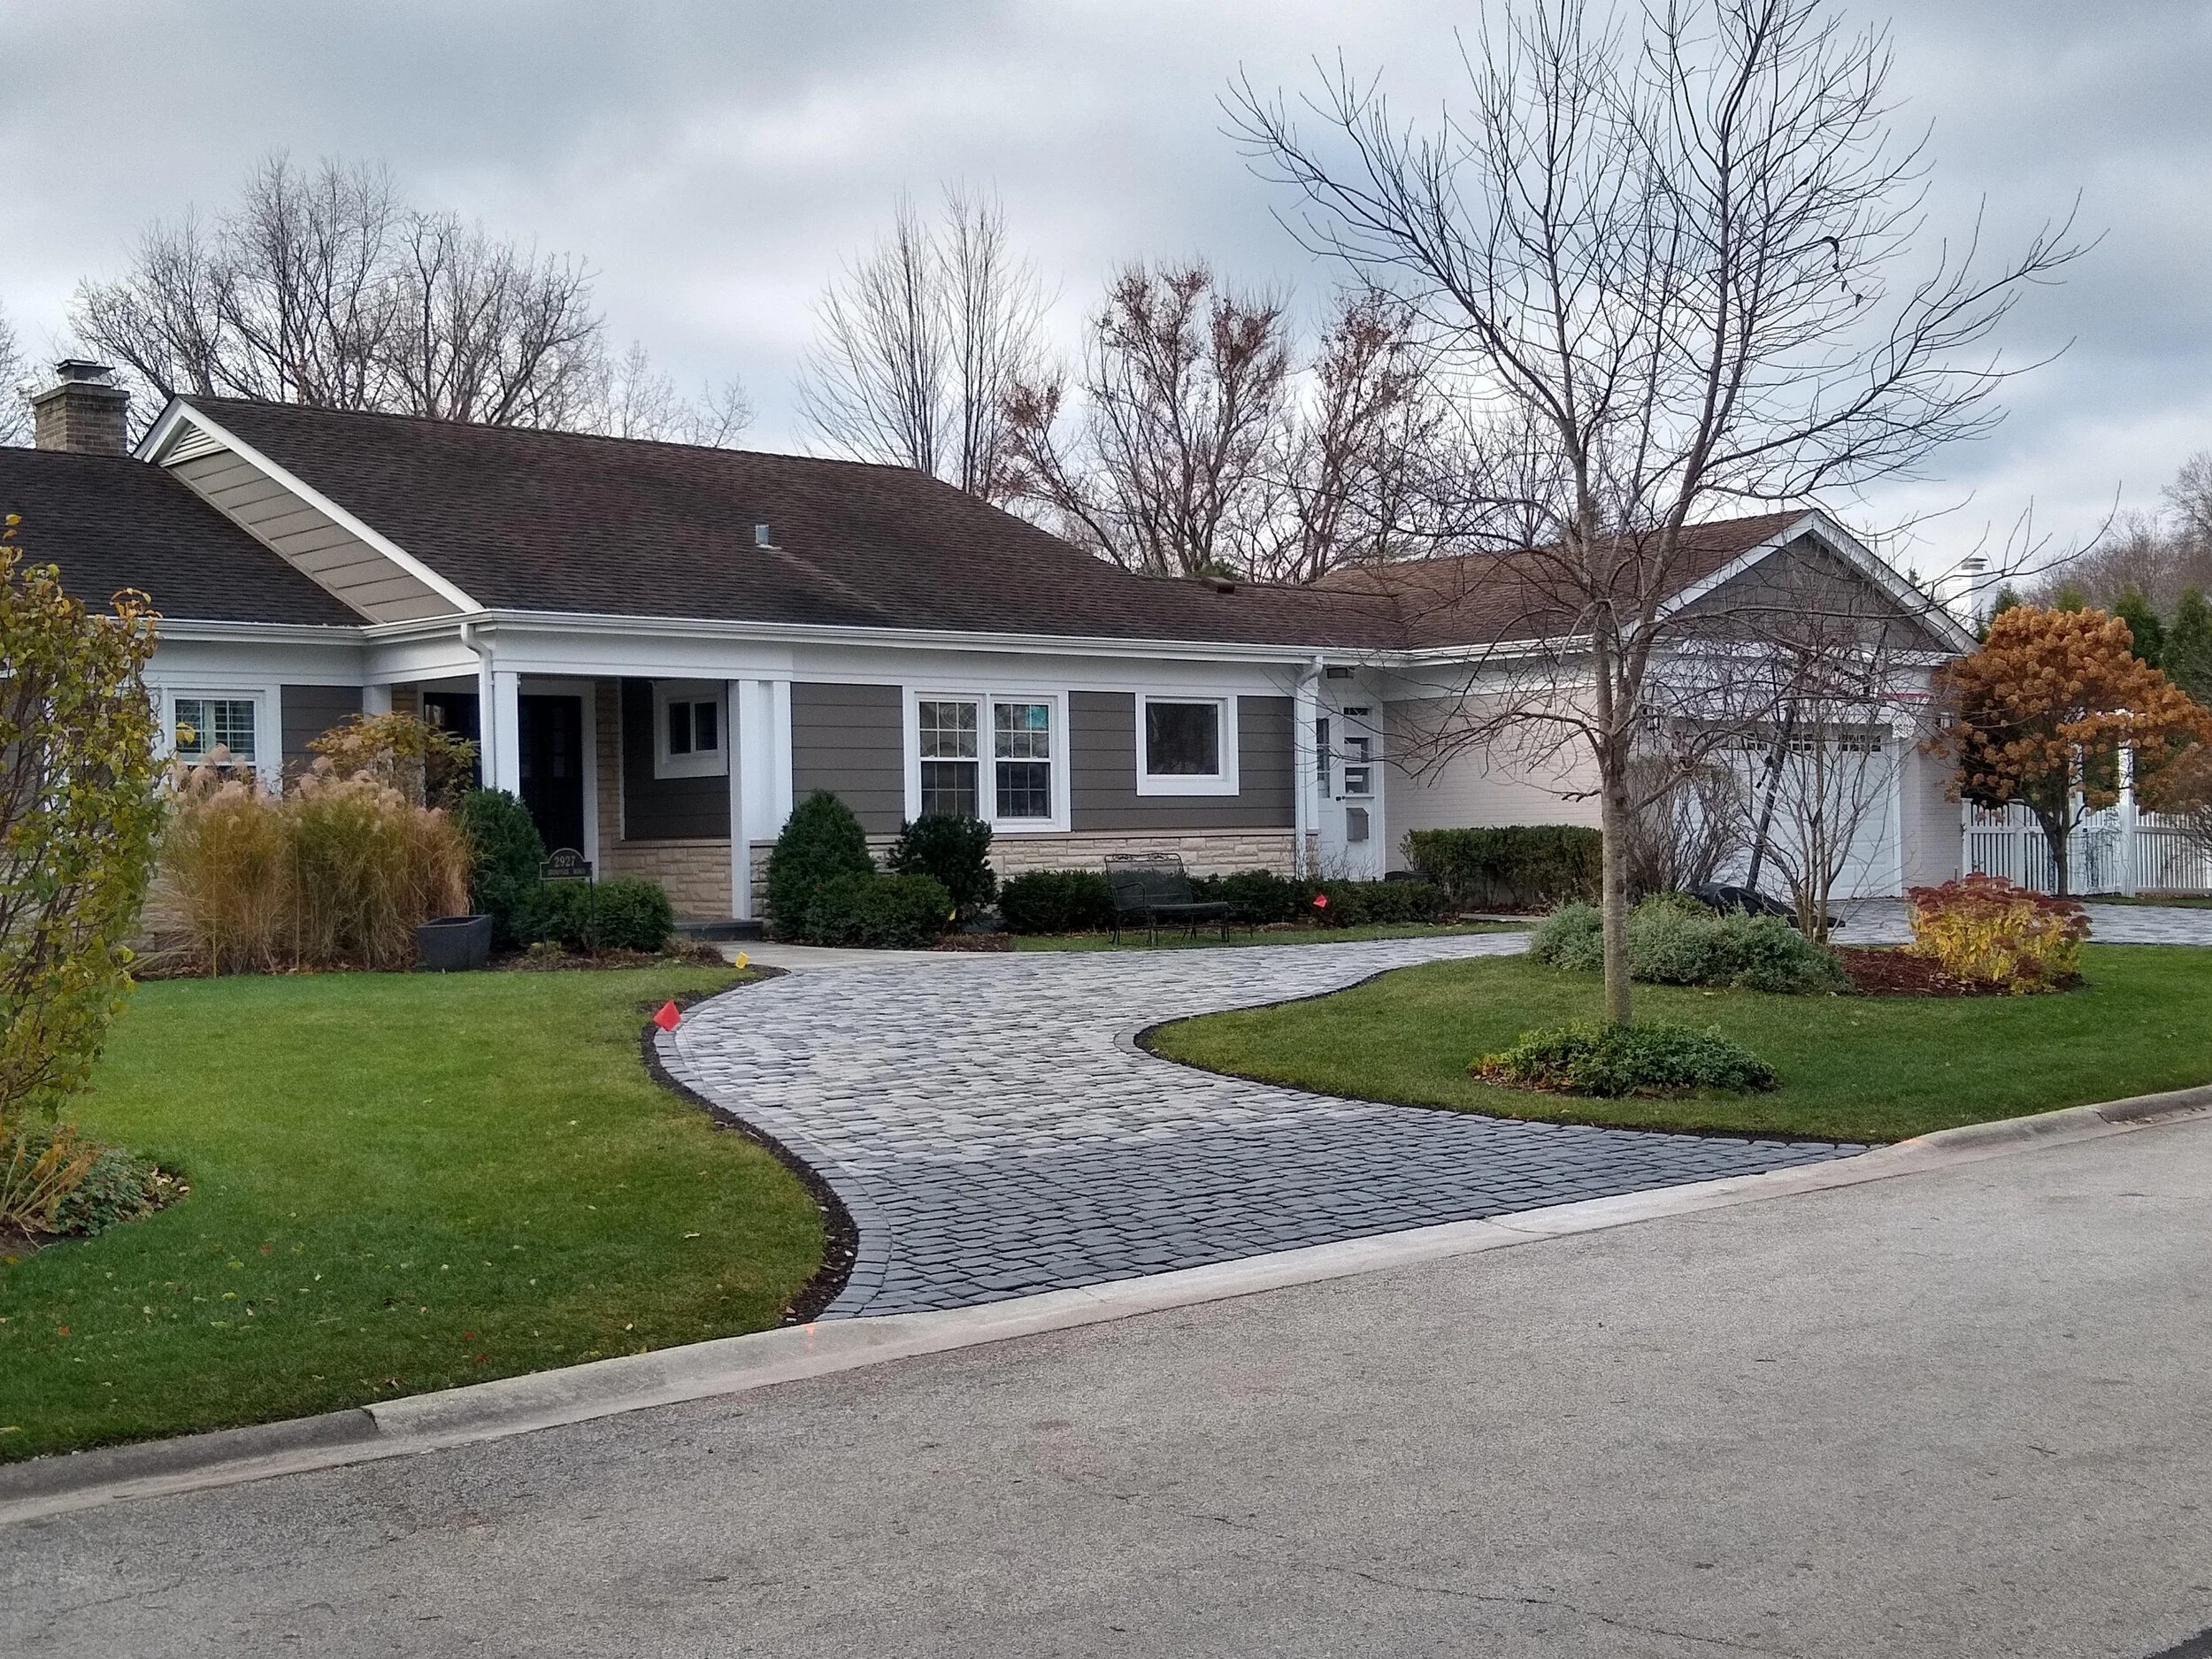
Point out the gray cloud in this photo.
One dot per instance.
(715, 161)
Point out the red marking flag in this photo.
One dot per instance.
(669, 1017)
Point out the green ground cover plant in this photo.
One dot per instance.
(1612, 1061)
(399, 1183)
(1857, 1068)
(1673, 940)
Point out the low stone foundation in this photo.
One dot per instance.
(695, 874)
(1204, 853)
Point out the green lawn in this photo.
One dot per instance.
(2164, 902)
(1139, 941)
(399, 1183)
(1853, 1068)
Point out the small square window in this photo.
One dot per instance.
(1182, 739)
(688, 742)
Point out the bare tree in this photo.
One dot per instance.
(1185, 406)
(483, 331)
(1667, 259)
(1372, 457)
(1196, 445)
(922, 342)
(636, 400)
(1692, 823)
(325, 288)
(15, 408)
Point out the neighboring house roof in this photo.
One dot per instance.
(550, 521)
(110, 522)
(1480, 598)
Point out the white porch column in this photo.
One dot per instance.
(1305, 709)
(499, 725)
(2127, 824)
(760, 778)
(742, 785)
(376, 699)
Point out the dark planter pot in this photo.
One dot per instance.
(452, 944)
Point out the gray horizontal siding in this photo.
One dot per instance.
(847, 739)
(310, 540)
(310, 711)
(664, 809)
(1103, 770)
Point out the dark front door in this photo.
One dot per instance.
(553, 768)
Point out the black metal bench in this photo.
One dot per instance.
(1152, 888)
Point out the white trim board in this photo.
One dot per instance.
(181, 415)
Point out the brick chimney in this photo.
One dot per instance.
(82, 410)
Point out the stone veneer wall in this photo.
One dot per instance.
(606, 714)
(695, 874)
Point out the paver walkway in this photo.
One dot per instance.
(1884, 922)
(993, 1130)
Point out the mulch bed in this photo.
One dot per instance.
(1897, 974)
(975, 942)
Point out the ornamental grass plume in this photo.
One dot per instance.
(335, 872)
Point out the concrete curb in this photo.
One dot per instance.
(46, 1486)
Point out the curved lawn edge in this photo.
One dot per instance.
(841, 1235)
(1142, 1041)
(1862, 1070)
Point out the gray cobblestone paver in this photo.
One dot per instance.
(993, 1132)
(1883, 922)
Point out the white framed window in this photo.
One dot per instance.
(1186, 745)
(201, 722)
(994, 755)
(690, 729)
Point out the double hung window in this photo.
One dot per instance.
(203, 725)
(949, 759)
(1018, 788)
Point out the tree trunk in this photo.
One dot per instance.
(2055, 833)
(1613, 892)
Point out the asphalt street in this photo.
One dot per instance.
(1958, 1414)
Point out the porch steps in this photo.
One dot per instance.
(714, 929)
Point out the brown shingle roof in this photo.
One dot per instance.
(110, 522)
(535, 520)
(562, 521)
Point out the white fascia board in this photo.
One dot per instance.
(181, 413)
(718, 629)
(257, 633)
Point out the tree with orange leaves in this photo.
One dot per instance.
(2041, 711)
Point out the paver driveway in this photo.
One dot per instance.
(993, 1130)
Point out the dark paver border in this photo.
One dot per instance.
(841, 1236)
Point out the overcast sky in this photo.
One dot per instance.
(714, 159)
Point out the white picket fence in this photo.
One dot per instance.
(2117, 850)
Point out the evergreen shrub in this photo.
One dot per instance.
(879, 912)
(954, 850)
(821, 843)
(1055, 902)
(505, 850)
(1522, 866)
